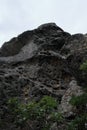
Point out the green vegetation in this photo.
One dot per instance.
(45, 112)
(84, 66)
(80, 102)
(42, 112)
(79, 123)
(81, 118)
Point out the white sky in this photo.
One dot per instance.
(17, 16)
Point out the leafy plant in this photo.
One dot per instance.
(35, 111)
(84, 66)
(81, 119)
(57, 117)
(79, 100)
(78, 123)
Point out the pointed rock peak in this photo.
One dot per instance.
(49, 26)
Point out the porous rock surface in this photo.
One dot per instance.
(41, 62)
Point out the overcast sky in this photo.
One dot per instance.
(17, 16)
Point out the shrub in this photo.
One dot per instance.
(78, 123)
(84, 66)
(35, 111)
(79, 100)
(57, 117)
(81, 119)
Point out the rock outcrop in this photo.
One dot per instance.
(41, 62)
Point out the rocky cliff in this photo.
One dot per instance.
(44, 61)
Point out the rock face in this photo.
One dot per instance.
(41, 62)
(65, 107)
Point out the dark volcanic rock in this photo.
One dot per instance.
(76, 52)
(40, 62)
